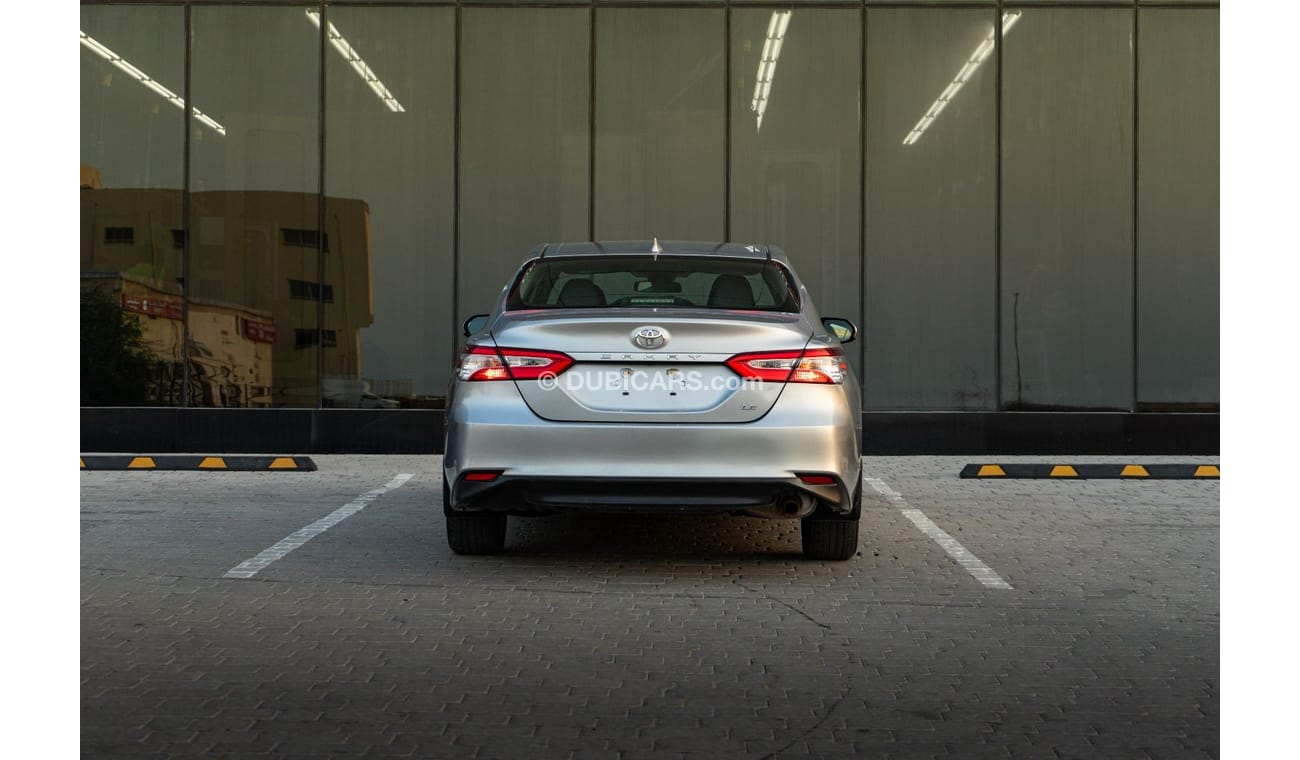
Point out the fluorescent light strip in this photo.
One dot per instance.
(102, 51)
(358, 64)
(982, 52)
(767, 62)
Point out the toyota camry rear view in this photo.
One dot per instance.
(648, 377)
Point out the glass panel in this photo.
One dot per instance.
(1067, 210)
(254, 208)
(735, 3)
(389, 182)
(525, 142)
(659, 123)
(795, 146)
(1178, 209)
(470, 2)
(132, 144)
(930, 283)
(692, 2)
(1032, 2)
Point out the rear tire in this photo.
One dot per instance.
(473, 532)
(476, 532)
(828, 536)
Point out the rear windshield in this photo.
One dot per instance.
(590, 282)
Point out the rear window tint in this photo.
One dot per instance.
(664, 282)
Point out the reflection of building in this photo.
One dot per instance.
(231, 346)
(255, 252)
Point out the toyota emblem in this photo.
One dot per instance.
(650, 337)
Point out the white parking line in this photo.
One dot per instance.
(980, 571)
(250, 567)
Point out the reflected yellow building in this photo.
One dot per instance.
(253, 279)
(231, 362)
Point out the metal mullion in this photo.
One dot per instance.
(1133, 404)
(998, 404)
(456, 49)
(726, 124)
(320, 212)
(862, 191)
(185, 212)
(591, 125)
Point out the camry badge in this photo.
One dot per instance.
(650, 337)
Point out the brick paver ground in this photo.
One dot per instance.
(600, 636)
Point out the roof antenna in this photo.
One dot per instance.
(656, 250)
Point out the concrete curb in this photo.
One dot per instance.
(1092, 471)
(197, 462)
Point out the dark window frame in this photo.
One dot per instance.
(303, 238)
(306, 338)
(119, 236)
(306, 290)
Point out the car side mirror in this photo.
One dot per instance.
(843, 330)
(475, 323)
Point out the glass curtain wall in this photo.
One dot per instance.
(255, 237)
(795, 148)
(389, 210)
(525, 142)
(1067, 210)
(931, 187)
(1024, 226)
(660, 131)
(1178, 209)
(132, 158)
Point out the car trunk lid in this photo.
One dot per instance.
(650, 365)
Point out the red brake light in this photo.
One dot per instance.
(817, 480)
(815, 365)
(487, 363)
(482, 476)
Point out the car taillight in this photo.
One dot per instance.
(813, 479)
(527, 364)
(483, 476)
(816, 365)
(487, 363)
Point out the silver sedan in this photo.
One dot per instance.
(654, 377)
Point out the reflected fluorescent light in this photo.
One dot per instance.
(767, 63)
(102, 51)
(982, 52)
(358, 64)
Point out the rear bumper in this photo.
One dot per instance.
(774, 498)
(691, 467)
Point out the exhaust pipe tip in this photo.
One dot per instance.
(795, 504)
(786, 506)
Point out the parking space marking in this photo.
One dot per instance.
(250, 567)
(960, 554)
